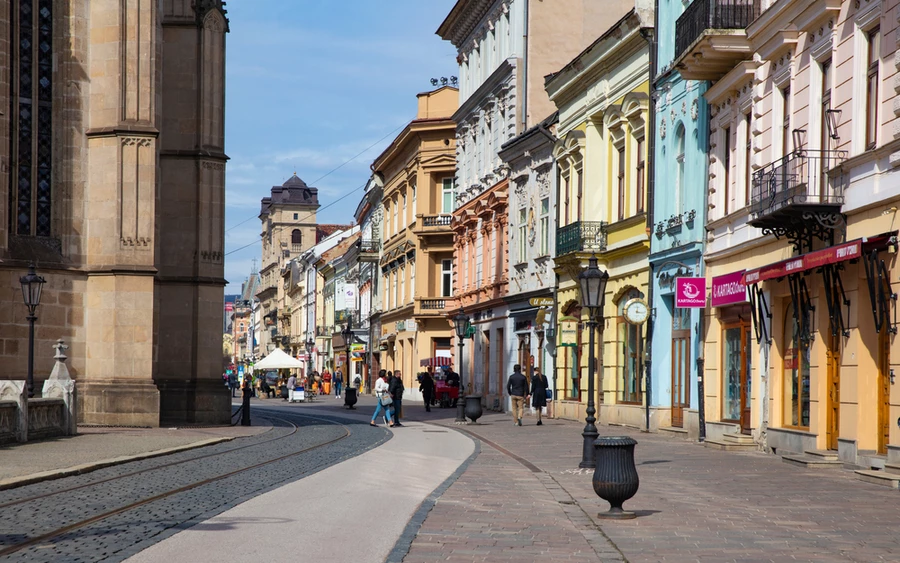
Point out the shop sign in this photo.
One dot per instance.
(541, 301)
(357, 352)
(728, 289)
(831, 255)
(568, 333)
(690, 292)
(401, 326)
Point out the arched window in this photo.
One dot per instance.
(679, 158)
(629, 352)
(296, 240)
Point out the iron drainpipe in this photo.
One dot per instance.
(650, 36)
(554, 350)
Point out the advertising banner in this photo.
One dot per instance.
(690, 292)
(728, 289)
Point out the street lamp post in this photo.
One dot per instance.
(310, 345)
(31, 293)
(593, 292)
(461, 324)
(349, 392)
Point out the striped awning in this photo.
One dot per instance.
(437, 362)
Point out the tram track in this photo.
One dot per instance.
(49, 536)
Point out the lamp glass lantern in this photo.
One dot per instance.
(833, 116)
(593, 286)
(461, 323)
(32, 284)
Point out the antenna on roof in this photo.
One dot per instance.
(253, 267)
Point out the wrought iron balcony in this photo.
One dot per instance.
(581, 236)
(710, 37)
(800, 196)
(436, 220)
(369, 246)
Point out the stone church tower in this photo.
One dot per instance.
(112, 178)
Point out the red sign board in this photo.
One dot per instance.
(690, 292)
(831, 255)
(728, 289)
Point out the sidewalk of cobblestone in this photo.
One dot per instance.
(694, 503)
(96, 447)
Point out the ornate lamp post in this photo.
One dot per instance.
(310, 345)
(593, 293)
(349, 392)
(31, 293)
(461, 324)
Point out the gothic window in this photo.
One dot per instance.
(31, 123)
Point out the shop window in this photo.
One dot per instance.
(629, 352)
(796, 373)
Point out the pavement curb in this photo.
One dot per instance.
(14, 482)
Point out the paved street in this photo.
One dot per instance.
(430, 493)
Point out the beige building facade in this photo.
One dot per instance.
(417, 258)
(113, 185)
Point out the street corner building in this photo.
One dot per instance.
(112, 139)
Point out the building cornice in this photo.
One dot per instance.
(463, 19)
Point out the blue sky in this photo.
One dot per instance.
(310, 85)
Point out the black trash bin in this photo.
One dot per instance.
(615, 476)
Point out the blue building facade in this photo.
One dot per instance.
(678, 234)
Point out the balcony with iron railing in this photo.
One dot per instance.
(581, 236)
(369, 247)
(710, 37)
(801, 192)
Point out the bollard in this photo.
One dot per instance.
(245, 408)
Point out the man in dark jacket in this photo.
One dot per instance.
(517, 387)
(395, 388)
(539, 385)
(426, 387)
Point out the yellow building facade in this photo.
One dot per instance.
(417, 259)
(601, 155)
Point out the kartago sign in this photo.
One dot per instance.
(690, 292)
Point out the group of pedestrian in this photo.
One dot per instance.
(519, 393)
(389, 392)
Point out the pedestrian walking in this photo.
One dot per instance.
(539, 386)
(291, 383)
(517, 387)
(383, 396)
(326, 382)
(426, 387)
(338, 383)
(395, 388)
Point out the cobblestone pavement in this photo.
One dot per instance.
(117, 537)
(694, 504)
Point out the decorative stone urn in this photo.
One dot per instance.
(473, 407)
(615, 476)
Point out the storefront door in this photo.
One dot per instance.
(884, 390)
(681, 369)
(736, 359)
(833, 412)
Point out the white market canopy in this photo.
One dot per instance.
(277, 359)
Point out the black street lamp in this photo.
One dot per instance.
(310, 344)
(593, 293)
(31, 293)
(461, 324)
(349, 392)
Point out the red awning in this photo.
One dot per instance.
(832, 255)
(437, 362)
